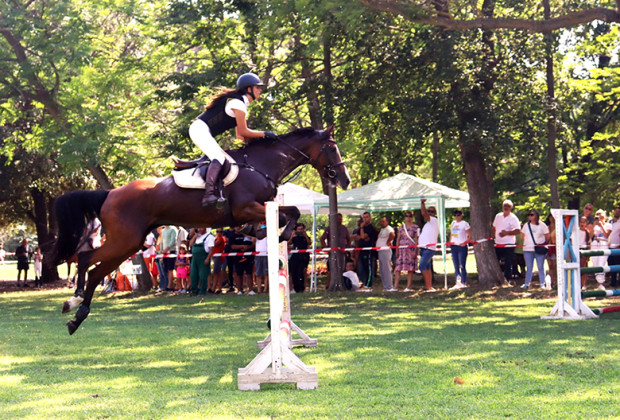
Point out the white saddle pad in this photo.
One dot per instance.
(190, 178)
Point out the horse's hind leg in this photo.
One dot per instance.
(83, 263)
(94, 278)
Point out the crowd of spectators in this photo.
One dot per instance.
(183, 261)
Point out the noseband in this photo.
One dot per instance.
(330, 168)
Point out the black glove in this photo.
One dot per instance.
(270, 135)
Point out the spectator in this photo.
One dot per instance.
(351, 280)
(406, 258)
(460, 234)
(534, 233)
(38, 265)
(384, 238)
(229, 234)
(600, 240)
(428, 241)
(355, 237)
(182, 267)
(367, 262)
(21, 252)
(244, 265)
(2, 254)
(614, 243)
(587, 213)
(505, 228)
(169, 246)
(201, 263)
(518, 262)
(149, 254)
(219, 263)
(261, 267)
(343, 240)
(298, 263)
(584, 243)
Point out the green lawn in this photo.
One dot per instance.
(379, 356)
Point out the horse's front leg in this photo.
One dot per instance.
(289, 215)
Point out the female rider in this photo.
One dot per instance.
(227, 110)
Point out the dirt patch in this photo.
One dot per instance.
(7, 286)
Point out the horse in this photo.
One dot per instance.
(129, 212)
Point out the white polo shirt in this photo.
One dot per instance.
(508, 223)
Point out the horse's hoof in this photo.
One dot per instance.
(72, 326)
(66, 307)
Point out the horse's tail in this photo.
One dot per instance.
(73, 212)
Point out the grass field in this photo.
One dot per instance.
(393, 356)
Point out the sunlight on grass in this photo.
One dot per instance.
(377, 357)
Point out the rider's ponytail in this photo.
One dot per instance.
(223, 91)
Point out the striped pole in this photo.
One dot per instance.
(606, 310)
(599, 252)
(601, 293)
(605, 269)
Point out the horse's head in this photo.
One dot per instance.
(327, 160)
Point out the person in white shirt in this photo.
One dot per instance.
(149, 257)
(384, 239)
(352, 281)
(614, 243)
(534, 233)
(428, 244)
(600, 240)
(506, 227)
(460, 234)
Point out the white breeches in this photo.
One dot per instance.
(201, 136)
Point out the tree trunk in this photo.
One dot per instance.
(551, 115)
(480, 190)
(335, 270)
(45, 236)
(435, 152)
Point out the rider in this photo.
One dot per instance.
(227, 110)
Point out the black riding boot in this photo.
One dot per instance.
(211, 181)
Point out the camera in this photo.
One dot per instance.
(298, 233)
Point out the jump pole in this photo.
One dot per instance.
(569, 304)
(276, 363)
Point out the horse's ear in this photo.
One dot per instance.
(330, 130)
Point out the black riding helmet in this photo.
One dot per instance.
(247, 80)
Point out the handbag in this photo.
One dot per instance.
(539, 249)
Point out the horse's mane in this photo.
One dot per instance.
(259, 143)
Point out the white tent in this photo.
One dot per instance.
(303, 198)
(399, 193)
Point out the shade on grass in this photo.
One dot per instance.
(392, 356)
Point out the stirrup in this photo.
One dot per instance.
(209, 200)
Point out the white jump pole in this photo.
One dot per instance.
(277, 353)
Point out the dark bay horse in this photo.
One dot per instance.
(128, 213)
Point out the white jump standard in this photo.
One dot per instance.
(276, 363)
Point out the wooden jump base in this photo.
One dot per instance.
(276, 363)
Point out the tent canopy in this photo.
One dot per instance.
(398, 192)
(302, 198)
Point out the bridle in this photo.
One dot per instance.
(330, 168)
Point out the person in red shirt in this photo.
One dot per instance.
(219, 263)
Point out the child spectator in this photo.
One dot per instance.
(38, 263)
(584, 243)
(351, 280)
(182, 266)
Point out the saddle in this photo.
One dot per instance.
(191, 173)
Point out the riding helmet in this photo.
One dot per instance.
(246, 80)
